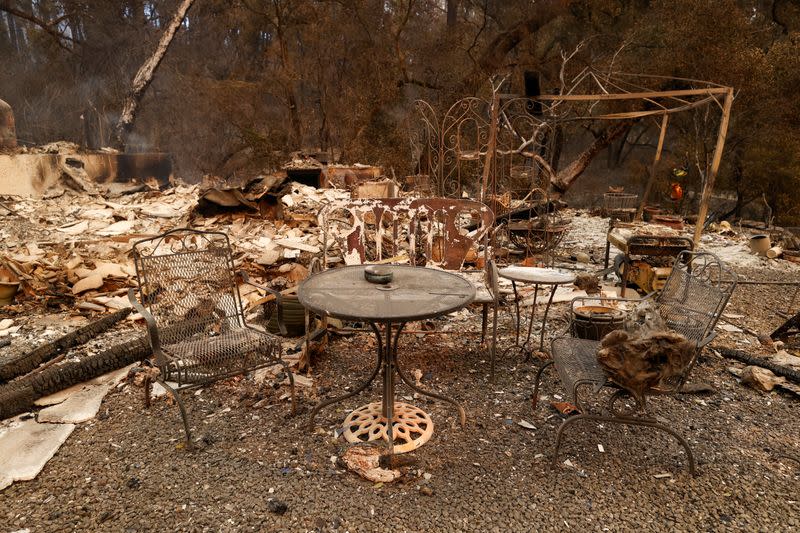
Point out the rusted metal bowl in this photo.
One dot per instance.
(9, 286)
(378, 274)
(759, 244)
(595, 321)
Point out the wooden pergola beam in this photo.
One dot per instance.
(652, 178)
(712, 174)
(631, 96)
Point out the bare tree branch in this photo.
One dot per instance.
(48, 27)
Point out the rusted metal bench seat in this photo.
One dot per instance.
(430, 232)
(690, 303)
(194, 314)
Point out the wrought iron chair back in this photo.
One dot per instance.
(447, 230)
(438, 232)
(195, 320)
(365, 230)
(692, 300)
(431, 231)
(187, 283)
(695, 294)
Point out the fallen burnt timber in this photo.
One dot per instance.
(26, 362)
(778, 370)
(18, 397)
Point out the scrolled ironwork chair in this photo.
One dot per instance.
(195, 319)
(690, 304)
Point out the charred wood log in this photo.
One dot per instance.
(790, 327)
(778, 370)
(18, 397)
(24, 363)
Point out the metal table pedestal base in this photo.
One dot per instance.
(368, 419)
(411, 426)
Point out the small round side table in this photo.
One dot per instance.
(537, 276)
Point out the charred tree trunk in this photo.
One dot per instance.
(18, 397)
(145, 75)
(452, 13)
(291, 98)
(5, 36)
(566, 177)
(26, 362)
(746, 358)
(494, 56)
(8, 132)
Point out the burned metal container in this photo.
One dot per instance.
(594, 322)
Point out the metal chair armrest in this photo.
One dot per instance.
(152, 328)
(278, 299)
(703, 343)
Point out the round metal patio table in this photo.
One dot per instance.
(537, 276)
(414, 293)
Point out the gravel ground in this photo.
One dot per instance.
(127, 470)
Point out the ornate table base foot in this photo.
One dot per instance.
(412, 427)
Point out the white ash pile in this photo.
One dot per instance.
(72, 250)
(731, 243)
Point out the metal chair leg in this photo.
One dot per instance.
(484, 317)
(538, 380)
(184, 416)
(560, 433)
(291, 382)
(629, 422)
(493, 349)
(656, 425)
(148, 389)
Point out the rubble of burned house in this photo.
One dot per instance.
(66, 270)
(68, 252)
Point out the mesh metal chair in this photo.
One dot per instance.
(193, 310)
(690, 303)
